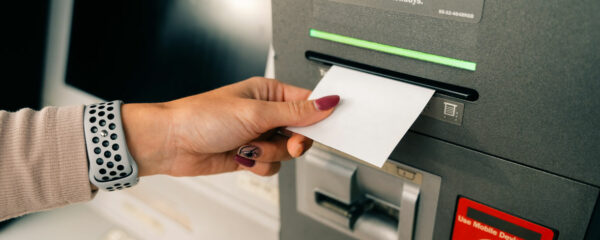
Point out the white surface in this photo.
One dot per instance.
(75, 222)
(372, 117)
(161, 207)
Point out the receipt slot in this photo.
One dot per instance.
(394, 202)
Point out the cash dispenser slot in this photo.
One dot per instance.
(350, 197)
(440, 87)
(386, 213)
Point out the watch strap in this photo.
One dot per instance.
(111, 166)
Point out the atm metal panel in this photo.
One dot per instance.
(559, 203)
(536, 72)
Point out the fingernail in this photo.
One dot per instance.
(249, 151)
(245, 153)
(244, 161)
(327, 102)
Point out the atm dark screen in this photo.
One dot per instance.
(159, 50)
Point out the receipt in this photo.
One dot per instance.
(373, 115)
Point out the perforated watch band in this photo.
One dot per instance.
(111, 167)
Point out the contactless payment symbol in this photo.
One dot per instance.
(450, 109)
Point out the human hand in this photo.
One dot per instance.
(227, 129)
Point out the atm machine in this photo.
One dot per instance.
(508, 147)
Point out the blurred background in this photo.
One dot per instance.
(68, 52)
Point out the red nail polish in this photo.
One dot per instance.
(244, 161)
(327, 102)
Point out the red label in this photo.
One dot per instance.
(476, 221)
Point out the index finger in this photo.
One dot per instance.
(293, 93)
(267, 89)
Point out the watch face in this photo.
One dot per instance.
(156, 50)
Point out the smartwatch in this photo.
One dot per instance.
(111, 166)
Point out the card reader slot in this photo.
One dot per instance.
(350, 211)
(440, 87)
(377, 208)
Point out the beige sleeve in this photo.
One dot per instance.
(43, 162)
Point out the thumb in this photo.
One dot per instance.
(300, 113)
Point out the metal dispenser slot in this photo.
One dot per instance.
(366, 202)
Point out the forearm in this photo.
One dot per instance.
(43, 162)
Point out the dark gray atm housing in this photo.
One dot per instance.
(528, 141)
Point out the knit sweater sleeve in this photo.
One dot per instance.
(43, 162)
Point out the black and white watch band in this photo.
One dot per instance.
(111, 167)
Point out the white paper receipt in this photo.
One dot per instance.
(373, 115)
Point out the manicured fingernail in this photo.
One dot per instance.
(327, 102)
(244, 161)
(249, 151)
(245, 153)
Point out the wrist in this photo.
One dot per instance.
(146, 129)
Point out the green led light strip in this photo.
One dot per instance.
(452, 62)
